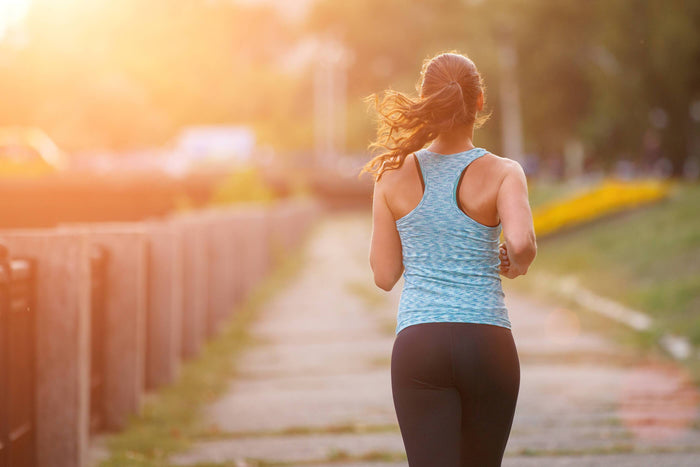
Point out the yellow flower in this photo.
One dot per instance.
(608, 197)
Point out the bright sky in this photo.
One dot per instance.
(11, 13)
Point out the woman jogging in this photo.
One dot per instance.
(455, 371)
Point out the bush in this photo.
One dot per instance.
(243, 185)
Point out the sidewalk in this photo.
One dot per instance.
(315, 387)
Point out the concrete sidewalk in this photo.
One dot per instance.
(315, 387)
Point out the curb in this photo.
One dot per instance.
(678, 347)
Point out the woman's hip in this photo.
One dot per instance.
(454, 353)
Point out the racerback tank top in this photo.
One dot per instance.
(451, 263)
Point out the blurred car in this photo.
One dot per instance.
(28, 151)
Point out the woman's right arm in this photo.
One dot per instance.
(385, 257)
(516, 219)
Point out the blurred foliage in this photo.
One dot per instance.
(183, 203)
(299, 187)
(243, 185)
(617, 75)
(593, 70)
(16, 169)
(541, 192)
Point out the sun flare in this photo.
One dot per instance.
(12, 12)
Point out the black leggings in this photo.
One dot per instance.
(455, 387)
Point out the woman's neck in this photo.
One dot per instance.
(452, 142)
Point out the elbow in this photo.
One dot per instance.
(384, 284)
(385, 281)
(386, 271)
(523, 251)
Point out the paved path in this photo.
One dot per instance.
(315, 387)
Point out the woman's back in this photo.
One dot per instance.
(446, 216)
(478, 190)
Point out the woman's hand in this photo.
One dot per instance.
(504, 267)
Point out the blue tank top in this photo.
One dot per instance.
(451, 263)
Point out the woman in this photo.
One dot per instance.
(454, 367)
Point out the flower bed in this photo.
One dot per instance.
(609, 197)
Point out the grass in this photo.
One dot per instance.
(345, 428)
(647, 259)
(541, 192)
(334, 456)
(171, 419)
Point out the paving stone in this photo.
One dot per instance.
(322, 355)
(616, 460)
(306, 400)
(637, 460)
(292, 448)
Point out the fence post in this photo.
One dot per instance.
(22, 364)
(195, 272)
(99, 256)
(62, 330)
(5, 279)
(125, 319)
(235, 226)
(220, 245)
(165, 304)
(254, 246)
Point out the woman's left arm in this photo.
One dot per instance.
(385, 256)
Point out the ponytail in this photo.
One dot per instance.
(407, 124)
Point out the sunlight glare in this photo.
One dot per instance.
(12, 12)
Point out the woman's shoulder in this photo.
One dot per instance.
(505, 168)
(496, 169)
(502, 165)
(504, 162)
(398, 176)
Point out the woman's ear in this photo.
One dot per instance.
(480, 101)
